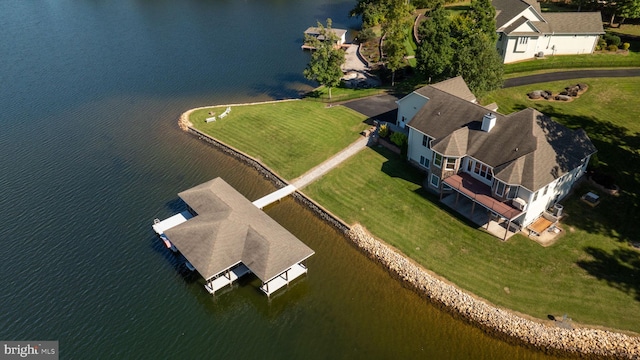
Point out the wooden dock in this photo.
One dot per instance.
(274, 196)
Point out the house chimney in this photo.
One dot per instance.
(488, 122)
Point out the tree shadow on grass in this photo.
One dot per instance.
(397, 167)
(620, 268)
(616, 217)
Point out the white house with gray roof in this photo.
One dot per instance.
(525, 32)
(515, 166)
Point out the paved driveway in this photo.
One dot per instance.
(566, 75)
(381, 107)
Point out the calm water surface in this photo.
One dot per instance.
(90, 92)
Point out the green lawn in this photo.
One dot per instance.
(410, 46)
(592, 273)
(339, 94)
(598, 60)
(289, 137)
(626, 29)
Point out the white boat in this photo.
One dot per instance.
(168, 243)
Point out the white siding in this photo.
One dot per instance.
(570, 44)
(408, 106)
(512, 55)
(415, 148)
(557, 190)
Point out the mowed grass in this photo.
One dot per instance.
(289, 137)
(592, 273)
(603, 59)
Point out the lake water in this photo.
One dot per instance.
(90, 94)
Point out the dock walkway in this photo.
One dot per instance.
(313, 174)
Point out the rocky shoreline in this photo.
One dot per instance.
(502, 323)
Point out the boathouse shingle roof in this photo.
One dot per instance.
(229, 229)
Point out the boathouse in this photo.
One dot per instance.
(226, 237)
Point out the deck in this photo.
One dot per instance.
(274, 196)
(222, 280)
(161, 226)
(283, 279)
(481, 194)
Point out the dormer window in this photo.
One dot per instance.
(450, 164)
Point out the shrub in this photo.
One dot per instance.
(399, 139)
(366, 34)
(383, 131)
(612, 39)
(602, 43)
(612, 47)
(626, 46)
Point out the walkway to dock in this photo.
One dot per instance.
(313, 174)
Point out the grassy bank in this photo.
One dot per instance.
(290, 137)
(591, 273)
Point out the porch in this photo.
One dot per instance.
(494, 216)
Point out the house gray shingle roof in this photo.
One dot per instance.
(525, 148)
(554, 22)
(229, 229)
(507, 10)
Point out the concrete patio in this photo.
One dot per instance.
(479, 216)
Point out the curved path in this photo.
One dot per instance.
(565, 75)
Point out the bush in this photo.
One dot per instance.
(612, 39)
(626, 46)
(366, 34)
(602, 43)
(383, 131)
(612, 47)
(399, 139)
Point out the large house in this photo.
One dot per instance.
(514, 166)
(524, 32)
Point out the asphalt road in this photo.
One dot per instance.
(566, 75)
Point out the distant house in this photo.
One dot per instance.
(315, 32)
(513, 166)
(525, 32)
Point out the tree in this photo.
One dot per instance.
(372, 12)
(482, 15)
(397, 22)
(479, 64)
(326, 59)
(472, 35)
(434, 56)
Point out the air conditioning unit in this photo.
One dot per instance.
(519, 204)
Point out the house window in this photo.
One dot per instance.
(435, 181)
(468, 165)
(500, 188)
(483, 171)
(513, 192)
(425, 141)
(424, 161)
(544, 192)
(522, 44)
(450, 164)
(535, 196)
(437, 160)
